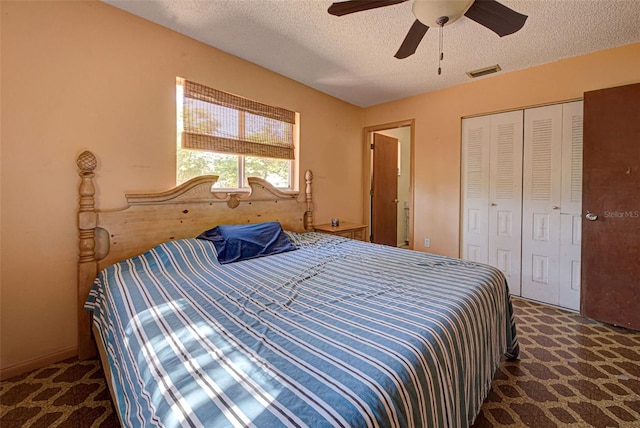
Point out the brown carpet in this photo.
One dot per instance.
(573, 372)
(70, 394)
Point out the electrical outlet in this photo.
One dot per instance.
(427, 242)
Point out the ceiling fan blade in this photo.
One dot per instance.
(351, 6)
(496, 17)
(412, 40)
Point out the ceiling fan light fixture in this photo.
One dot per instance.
(430, 12)
(484, 71)
(491, 14)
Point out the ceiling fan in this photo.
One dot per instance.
(489, 13)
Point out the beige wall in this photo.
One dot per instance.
(437, 126)
(85, 75)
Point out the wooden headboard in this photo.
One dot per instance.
(109, 236)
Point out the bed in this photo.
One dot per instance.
(329, 332)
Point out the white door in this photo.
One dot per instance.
(505, 196)
(541, 203)
(571, 206)
(492, 192)
(475, 188)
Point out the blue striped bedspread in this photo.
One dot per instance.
(336, 333)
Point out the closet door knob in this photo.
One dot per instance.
(591, 216)
(493, 204)
(555, 207)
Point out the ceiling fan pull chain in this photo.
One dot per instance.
(441, 21)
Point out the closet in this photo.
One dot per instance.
(521, 189)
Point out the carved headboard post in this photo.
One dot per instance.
(87, 264)
(308, 215)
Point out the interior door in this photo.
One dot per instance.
(384, 188)
(492, 192)
(476, 138)
(571, 206)
(611, 206)
(505, 197)
(541, 197)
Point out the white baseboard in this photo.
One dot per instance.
(37, 363)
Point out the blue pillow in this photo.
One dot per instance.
(235, 243)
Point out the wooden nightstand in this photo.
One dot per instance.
(348, 230)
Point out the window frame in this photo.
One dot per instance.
(242, 185)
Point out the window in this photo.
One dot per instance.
(233, 137)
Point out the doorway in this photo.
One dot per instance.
(400, 234)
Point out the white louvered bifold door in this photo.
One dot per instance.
(475, 188)
(505, 196)
(542, 166)
(571, 206)
(521, 199)
(492, 192)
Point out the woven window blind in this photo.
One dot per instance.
(220, 122)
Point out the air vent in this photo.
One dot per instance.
(483, 71)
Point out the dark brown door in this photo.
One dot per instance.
(384, 199)
(611, 206)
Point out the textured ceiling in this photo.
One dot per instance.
(352, 57)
